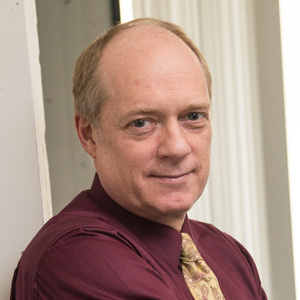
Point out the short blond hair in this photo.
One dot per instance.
(88, 83)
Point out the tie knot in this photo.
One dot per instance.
(189, 251)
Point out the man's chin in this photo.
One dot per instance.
(177, 206)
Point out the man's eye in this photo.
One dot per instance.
(194, 116)
(140, 123)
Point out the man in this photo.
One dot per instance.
(143, 113)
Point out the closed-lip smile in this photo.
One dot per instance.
(171, 178)
(170, 175)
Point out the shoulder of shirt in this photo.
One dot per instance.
(61, 227)
(210, 232)
(218, 243)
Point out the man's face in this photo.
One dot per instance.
(154, 152)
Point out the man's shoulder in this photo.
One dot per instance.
(213, 241)
(207, 230)
(70, 254)
(221, 251)
(71, 221)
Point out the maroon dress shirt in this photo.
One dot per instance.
(95, 249)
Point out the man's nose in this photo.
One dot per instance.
(173, 142)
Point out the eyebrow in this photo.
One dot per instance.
(197, 106)
(142, 111)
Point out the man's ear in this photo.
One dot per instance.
(85, 133)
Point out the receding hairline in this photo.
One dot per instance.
(154, 27)
(89, 82)
(144, 37)
(151, 30)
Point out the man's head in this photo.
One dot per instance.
(152, 155)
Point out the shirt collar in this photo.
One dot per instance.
(163, 240)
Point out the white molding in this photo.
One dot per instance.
(36, 87)
(126, 10)
(21, 177)
(290, 24)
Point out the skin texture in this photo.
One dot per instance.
(153, 153)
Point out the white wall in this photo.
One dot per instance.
(23, 185)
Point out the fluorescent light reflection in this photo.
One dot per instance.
(126, 10)
(290, 24)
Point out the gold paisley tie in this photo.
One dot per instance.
(200, 279)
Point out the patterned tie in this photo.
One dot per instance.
(200, 279)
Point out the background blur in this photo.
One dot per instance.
(249, 194)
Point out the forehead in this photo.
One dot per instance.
(145, 51)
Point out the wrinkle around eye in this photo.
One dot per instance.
(141, 127)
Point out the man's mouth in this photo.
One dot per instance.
(171, 178)
(174, 176)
